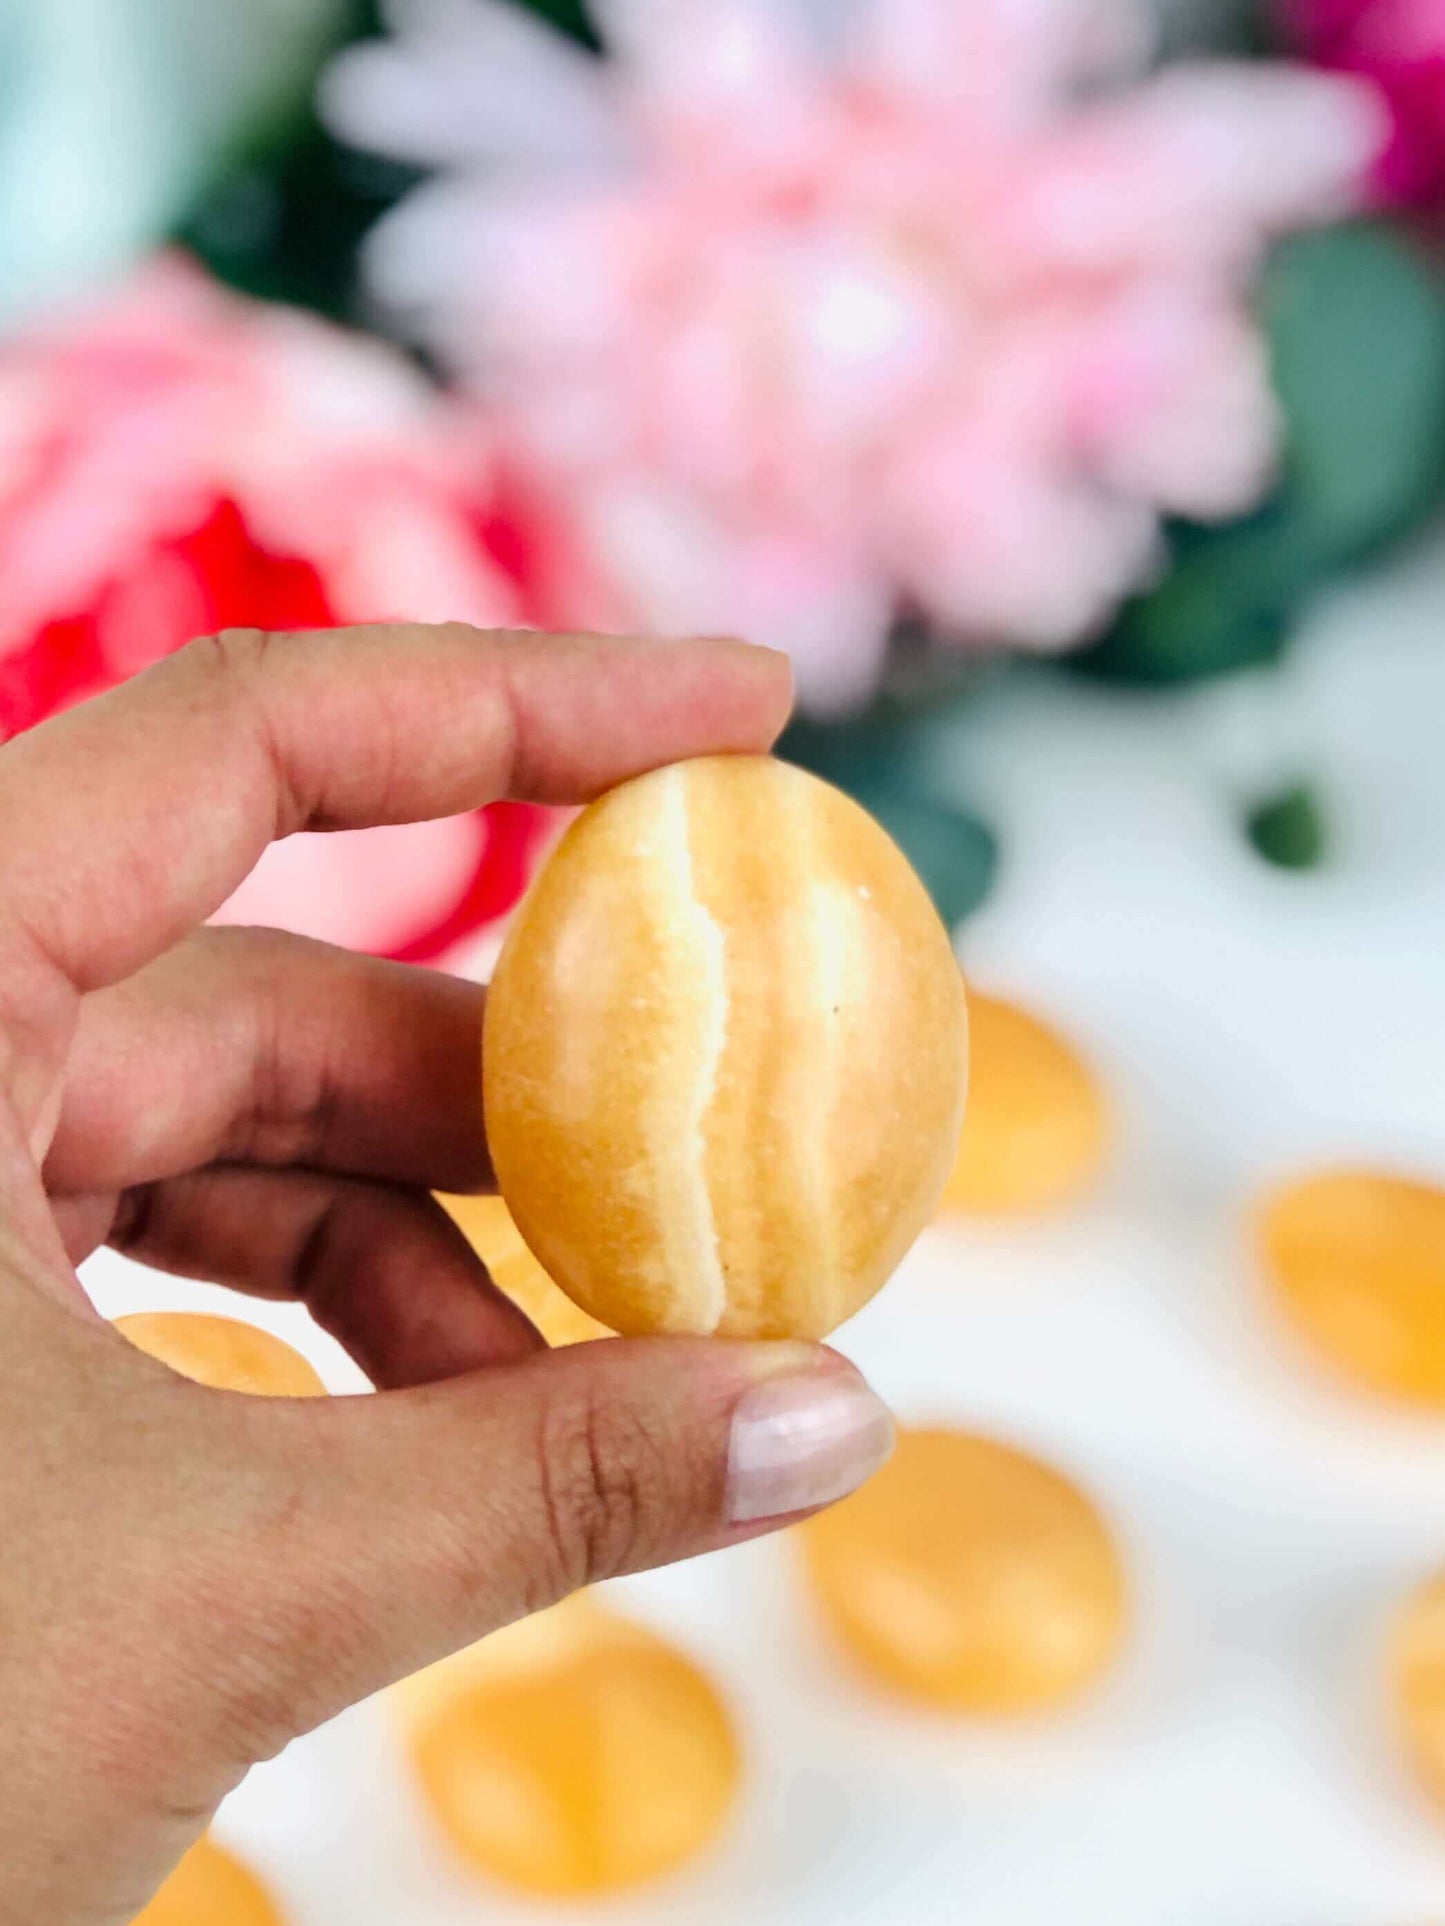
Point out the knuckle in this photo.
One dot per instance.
(294, 1096)
(231, 655)
(603, 1492)
(236, 668)
(241, 651)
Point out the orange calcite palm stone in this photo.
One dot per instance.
(1417, 1680)
(1037, 1128)
(1357, 1260)
(970, 1575)
(573, 1753)
(725, 1055)
(223, 1353)
(488, 1227)
(210, 1888)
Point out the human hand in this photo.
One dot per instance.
(192, 1578)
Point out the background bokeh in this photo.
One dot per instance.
(1062, 383)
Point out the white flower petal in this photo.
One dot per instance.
(1179, 406)
(647, 30)
(470, 80)
(735, 79)
(1001, 545)
(823, 605)
(420, 261)
(1201, 166)
(1004, 62)
(685, 572)
(946, 320)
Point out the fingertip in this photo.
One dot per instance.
(781, 690)
(798, 1443)
(773, 1429)
(770, 671)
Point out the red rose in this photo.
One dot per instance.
(175, 460)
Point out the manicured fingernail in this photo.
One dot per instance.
(803, 1441)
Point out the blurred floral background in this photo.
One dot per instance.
(912, 337)
(1062, 384)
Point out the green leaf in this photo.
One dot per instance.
(1288, 829)
(954, 853)
(1356, 322)
(571, 16)
(1199, 622)
(857, 753)
(284, 220)
(116, 118)
(287, 226)
(1356, 319)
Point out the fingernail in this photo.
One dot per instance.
(803, 1441)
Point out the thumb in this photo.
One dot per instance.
(418, 1521)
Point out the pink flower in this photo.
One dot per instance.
(175, 460)
(943, 315)
(1400, 45)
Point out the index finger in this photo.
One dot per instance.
(132, 818)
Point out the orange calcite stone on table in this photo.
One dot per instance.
(970, 1575)
(1037, 1128)
(210, 1888)
(1356, 1258)
(1417, 1682)
(488, 1227)
(725, 1055)
(573, 1753)
(223, 1353)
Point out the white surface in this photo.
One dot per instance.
(1238, 1770)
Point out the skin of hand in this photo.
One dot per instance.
(192, 1578)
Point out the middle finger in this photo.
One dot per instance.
(254, 1046)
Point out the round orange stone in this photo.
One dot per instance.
(970, 1575)
(724, 1058)
(1036, 1130)
(488, 1227)
(574, 1753)
(210, 1888)
(1356, 1258)
(223, 1353)
(1417, 1682)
